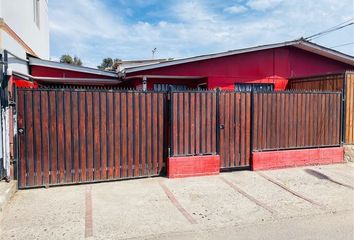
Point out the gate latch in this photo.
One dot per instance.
(222, 126)
(21, 131)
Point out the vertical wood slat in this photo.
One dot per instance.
(161, 128)
(89, 136)
(60, 131)
(52, 138)
(75, 135)
(82, 136)
(305, 120)
(117, 135)
(248, 130)
(21, 123)
(136, 142)
(44, 134)
(67, 136)
(143, 135)
(37, 139)
(154, 146)
(30, 140)
(222, 133)
(123, 108)
(149, 133)
(103, 134)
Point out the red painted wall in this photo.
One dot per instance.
(296, 158)
(273, 65)
(21, 83)
(137, 82)
(40, 71)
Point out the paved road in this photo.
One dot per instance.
(300, 203)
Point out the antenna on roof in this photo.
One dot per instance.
(153, 53)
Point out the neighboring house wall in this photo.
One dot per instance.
(265, 66)
(24, 27)
(41, 71)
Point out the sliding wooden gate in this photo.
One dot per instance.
(68, 136)
(235, 129)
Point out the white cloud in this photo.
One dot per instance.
(92, 31)
(262, 5)
(235, 9)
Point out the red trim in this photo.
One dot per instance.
(180, 167)
(295, 158)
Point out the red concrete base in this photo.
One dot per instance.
(294, 158)
(180, 167)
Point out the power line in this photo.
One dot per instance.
(342, 45)
(332, 29)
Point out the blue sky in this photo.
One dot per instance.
(130, 29)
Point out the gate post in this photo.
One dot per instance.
(169, 120)
(252, 123)
(217, 121)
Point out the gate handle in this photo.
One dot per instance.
(21, 131)
(222, 126)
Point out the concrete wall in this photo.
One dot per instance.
(19, 16)
(349, 152)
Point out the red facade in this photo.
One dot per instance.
(264, 66)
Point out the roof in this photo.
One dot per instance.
(301, 43)
(65, 66)
(138, 63)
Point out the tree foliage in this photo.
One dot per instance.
(109, 64)
(66, 58)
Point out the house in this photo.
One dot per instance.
(268, 65)
(51, 73)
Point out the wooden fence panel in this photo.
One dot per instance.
(84, 136)
(301, 120)
(193, 123)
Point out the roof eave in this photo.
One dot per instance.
(311, 47)
(64, 66)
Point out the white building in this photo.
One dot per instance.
(24, 27)
(24, 30)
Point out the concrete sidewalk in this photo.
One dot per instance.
(310, 202)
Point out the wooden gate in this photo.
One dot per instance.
(68, 136)
(235, 129)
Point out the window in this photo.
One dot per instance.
(36, 12)
(250, 87)
(164, 87)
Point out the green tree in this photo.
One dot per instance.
(66, 58)
(109, 64)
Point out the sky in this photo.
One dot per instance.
(131, 29)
